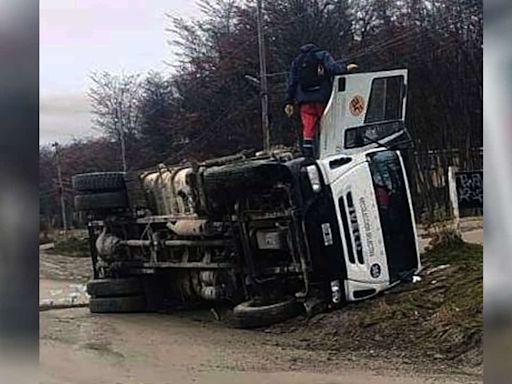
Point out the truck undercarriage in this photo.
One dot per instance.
(230, 232)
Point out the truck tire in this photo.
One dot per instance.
(248, 315)
(102, 200)
(121, 304)
(115, 287)
(98, 182)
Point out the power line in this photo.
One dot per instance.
(406, 37)
(396, 41)
(208, 132)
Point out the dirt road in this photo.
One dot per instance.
(77, 347)
(472, 230)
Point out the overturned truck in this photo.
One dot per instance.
(267, 234)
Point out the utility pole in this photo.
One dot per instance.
(61, 188)
(120, 130)
(263, 79)
(123, 149)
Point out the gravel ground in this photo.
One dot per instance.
(57, 267)
(62, 279)
(80, 348)
(192, 347)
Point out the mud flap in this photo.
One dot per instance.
(314, 305)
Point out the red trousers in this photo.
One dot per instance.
(310, 114)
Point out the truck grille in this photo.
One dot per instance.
(346, 230)
(356, 233)
(351, 225)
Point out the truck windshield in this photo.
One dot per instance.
(394, 212)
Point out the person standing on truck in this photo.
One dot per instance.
(309, 85)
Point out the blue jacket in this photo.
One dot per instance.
(323, 93)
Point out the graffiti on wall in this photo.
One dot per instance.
(470, 189)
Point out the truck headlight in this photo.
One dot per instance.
(314, 178)
(336, 291)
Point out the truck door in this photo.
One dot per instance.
(365, 109)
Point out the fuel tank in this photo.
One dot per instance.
(171, 190)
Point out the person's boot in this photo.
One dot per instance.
(307, 148)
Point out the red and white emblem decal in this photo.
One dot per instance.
(356, 105)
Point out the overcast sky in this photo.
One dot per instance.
(78, 37)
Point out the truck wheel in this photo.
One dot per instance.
(98, 181)
(103, 200)
(249, 315)
(115, 287)
(117, 304)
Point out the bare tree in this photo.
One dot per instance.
(114, 100)
(157, 115)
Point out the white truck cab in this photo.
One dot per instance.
(369, 184)
(375, 217)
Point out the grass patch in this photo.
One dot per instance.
(45, 238)
(437, 319)
(455, 294)
(459, 253)
(74, 246)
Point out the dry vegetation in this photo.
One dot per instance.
(436, 320)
